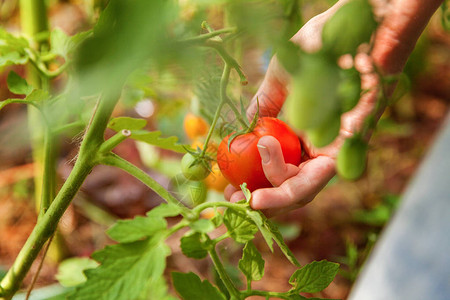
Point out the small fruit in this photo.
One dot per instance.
(195, 126)
(194, 168)
(190, 192)
(215, 179)
(351, 160)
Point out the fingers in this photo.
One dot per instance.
(271, 93)
(275, 169)
(298, 190)
(229, 191)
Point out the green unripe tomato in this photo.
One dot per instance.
(351, 160)
(325, 134)
(193, 168)
(349, 90)
(313, 99)
(190, 192)
(351, 26)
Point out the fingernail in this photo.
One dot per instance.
(264, 153)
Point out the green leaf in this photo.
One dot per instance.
(12, 49)
(125, 270)
(240, 227)
(149, 137)
(165, 210)
(190, 287)
(153, 138)
(70, 271)
(12, 58)
(63, 44)
(246, 191)
(251, 263)
(278, 237)
(37, 96)
(126, 231)
(314, 277)
(259, 219)
(127, 123)
(203, 226)
(158, 290)
(192, 246)
(18, 85)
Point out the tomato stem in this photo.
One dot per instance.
(223, 274)
(117, 161)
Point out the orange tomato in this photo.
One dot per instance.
(216, 180)
(195, 126)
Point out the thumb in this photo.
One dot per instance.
(274, 166)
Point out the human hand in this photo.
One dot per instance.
(294, 186)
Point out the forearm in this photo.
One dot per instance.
(395, 39)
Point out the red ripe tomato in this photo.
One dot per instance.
(243, 162)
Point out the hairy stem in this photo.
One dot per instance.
(223, 274)
(223, 87)
(48, 223)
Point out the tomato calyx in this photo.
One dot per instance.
(249, 129)
(195, 165)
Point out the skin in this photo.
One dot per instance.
(401, 23)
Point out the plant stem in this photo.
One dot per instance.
(265, 294)
(113, 141)
(223, 88)
(227, 58)
(223, 274)
(47, 225)
(49, 173)
(33, 17)
(198, 40)
(116, 161)
(198, 209)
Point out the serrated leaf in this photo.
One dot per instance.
(12, 58)
(271, 233)
(70, 271)
(127, 123)
(217, 220)
(192, 246)
(251, 264)
(63, 44)
(165, 210)
(190, 287)
(259, 219)
(124, 271)
(37, 95)
(18, 85)
(126, 231)
(278, 237)
(149, 137)
(314, 277)
(203, 226)
(240, 227)
(12, 49)
(153, 138)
